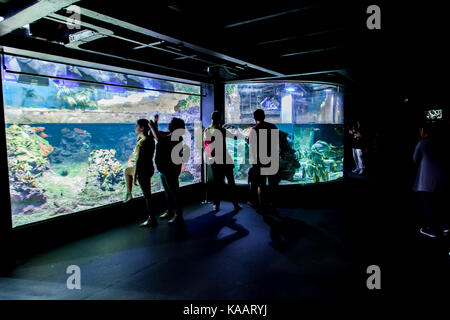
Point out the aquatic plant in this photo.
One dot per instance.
(185, 88)
(316, 167)
(27, 160)
(320, 160)
(27, 149)
(30, 94)
(327, 149)
(187, 103)
(77, 98)
(230, 89)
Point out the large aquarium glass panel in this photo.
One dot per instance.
(311, 122)
(29, 67)
(68, 142)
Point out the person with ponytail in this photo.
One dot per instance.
(143, 170)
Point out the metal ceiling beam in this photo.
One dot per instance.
(32, 13)
(150, 33)
(269, 16)
(345, 74)
(102, 32)
(75, 45)
(312, 34)
(298, 75)
(310, 51)
(62, 19)
(148, 45)
(187, 57)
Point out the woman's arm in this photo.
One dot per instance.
(154, 128)
(233, 134)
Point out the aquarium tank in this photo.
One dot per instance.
(70, 133)
(310, 119)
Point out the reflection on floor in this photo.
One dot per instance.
(227, 255)
(319, 250)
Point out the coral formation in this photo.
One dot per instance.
(104, 171)
(27, 160)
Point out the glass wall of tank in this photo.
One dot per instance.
(69, 141)
(311, 123)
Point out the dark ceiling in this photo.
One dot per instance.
(202, 40)
(214, 41)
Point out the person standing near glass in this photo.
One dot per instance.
(168, 169)
(263, 186)
(143, 170)
(223, 163)
(357, 148)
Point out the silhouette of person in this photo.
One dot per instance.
(262, 187)
(432, 180)
(143, 170)
(168, 169)
(223, 163)
(357, 147)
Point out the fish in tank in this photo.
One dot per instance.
(69, 142)
(310, 119)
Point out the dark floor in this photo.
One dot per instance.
(318, 249)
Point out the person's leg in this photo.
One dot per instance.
(360, 160)
(253, 188)
(257, 186)
(217, 187)
(273, 182)
(355, 159)
(129, 172)
(176, 193)
(169, 203)
(174, 187)
(427, 229)
(262, 188)
(438, 207)
(444, 211)
(146, 187)
(229, 174)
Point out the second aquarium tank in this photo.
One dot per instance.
(310, 118)
(70, 133)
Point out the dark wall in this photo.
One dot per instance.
(219, 98)
(208, 102)
(397, 72)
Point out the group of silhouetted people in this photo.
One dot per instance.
(431, 156)
(432, 183)
(262, 184)
(143, 169)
